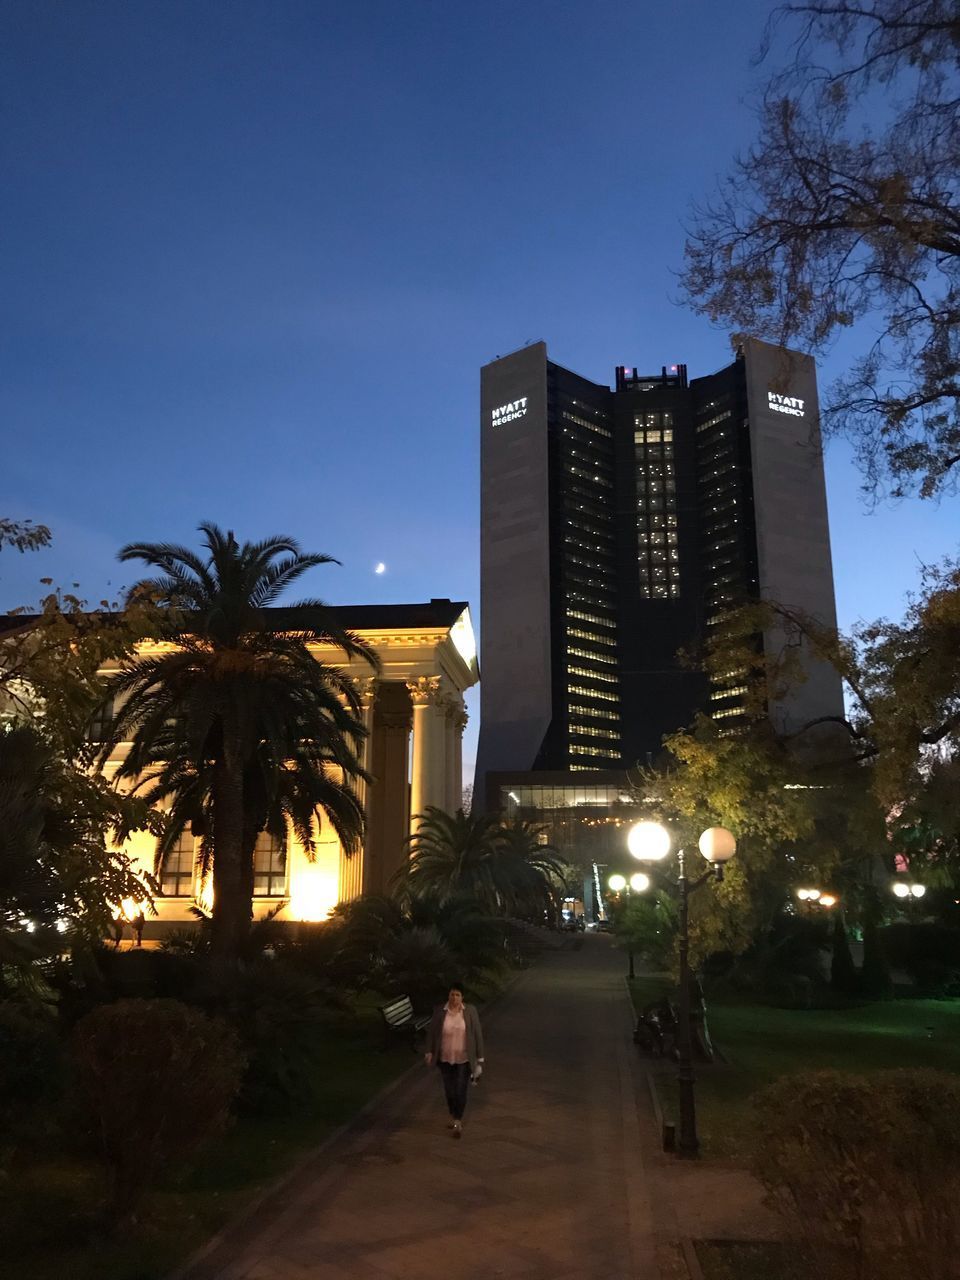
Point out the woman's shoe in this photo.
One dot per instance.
(457, 1131)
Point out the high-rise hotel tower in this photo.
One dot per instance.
(617, 525)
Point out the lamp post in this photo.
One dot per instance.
(638, 882)
(902, 889)
(650, 842)
(816, 897)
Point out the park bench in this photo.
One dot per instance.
(398, 1017)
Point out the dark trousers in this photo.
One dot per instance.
(456, 1082)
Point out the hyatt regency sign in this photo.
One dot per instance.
(509, 412)
(785, 404)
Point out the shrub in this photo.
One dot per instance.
(843, 972)
(154, 1080)
(788, 990)
(907, 944)
(419, 964)
(278, 1012)
(31, 1071)
(933, 979)
(147, 975)
(866, 1170)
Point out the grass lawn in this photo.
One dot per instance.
(761, 1044)
(50, 1223)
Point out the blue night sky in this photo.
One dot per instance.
(254, 254)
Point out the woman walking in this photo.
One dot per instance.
(455, 1044)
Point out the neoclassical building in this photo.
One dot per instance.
(414, 712)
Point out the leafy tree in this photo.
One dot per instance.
(59, 817)
(23, 535)
(52, 662)
(802, 806)
(58, 871)
(235, 718)
(646, 924)
(847, 208)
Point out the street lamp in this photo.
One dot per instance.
(904, 890)
(817, 897)
(618, 884)
(650, 842)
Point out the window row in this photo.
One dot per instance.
(607, 677)
(589, 458)
(712, 422)
(591, 617)
(593, 636)
(604, 658)
(592, 408)
(586, 475)
(591, 426)
(592, 525)
(737, 691)
(571, 540)
(652, 437)
(659, 590)
(593, 731)
(593, 566)
(598, 713)
(582, 691)
(604, 752)
(587, 595)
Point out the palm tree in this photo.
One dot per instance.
(452, 856)
(237, 723)
(531, 869)
(504, 869)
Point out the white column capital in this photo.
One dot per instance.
(365, 688)
(425, 691)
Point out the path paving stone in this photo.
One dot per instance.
(547, 1183)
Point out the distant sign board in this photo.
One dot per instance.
(791, 405)
(509, 412)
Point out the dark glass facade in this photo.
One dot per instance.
(618, 525)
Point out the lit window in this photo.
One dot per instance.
(269, 867)
(178, 873)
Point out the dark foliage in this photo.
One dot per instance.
(865, 1171)
(154, 1081)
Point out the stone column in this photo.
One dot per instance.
(352, 868)
(388, 808)
(428, 781)
(458, 722)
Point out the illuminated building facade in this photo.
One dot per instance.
(414, 713)
(618, 524)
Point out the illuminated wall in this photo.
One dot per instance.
(414, 713)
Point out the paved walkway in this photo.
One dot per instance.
(548, 1180)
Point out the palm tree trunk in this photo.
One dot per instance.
(251, 829)
(231, 906)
